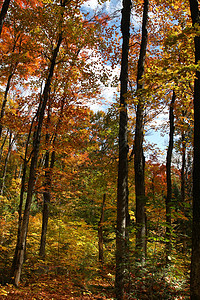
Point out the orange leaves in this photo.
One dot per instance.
(24, 4)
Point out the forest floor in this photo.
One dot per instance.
(60, 287)
(57, 283)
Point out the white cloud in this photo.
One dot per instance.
(109, 6)
(93, 4)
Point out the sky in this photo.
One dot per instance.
(108, 93)
(109, 6)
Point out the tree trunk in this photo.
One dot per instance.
(183, 187)
(3, 13)
(47, 183)
(6, 164)
(195, 262)
(183, 169)
(31, 183)
(169, 180)
(47, 198)
(46, 194)
(5, 101)
(23, 180)
(100, 231)
(122, 189)
(139, 161)
(3, 144)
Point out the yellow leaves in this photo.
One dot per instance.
(176, 5)
(47, 1)
(132, 215)
(69, 235)
(4, 200)
(3, 291)
(3, 248)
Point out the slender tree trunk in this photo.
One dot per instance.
(31, 183)
(100, 231)
(3, 13)
(3, 144)
(23, 180)
(139, 161)
(183, 169)
(5, 101)
(46, 194)
(47, 184)
(183, 188)
(122, 189)
(169, 180)
(47, 198)
(6, 164)
(195, 261)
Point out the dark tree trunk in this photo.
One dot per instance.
(139, 161)
(183, 169)
(122, 189)
(183, 188)
(3, 144)
(46, 194)
(195, 261)
(5, 101)
(13, 68)
(6, 164)
(23, 180)
(47, 199)
(47, 184)
(100, 231)
(169, 180)
(3, 13)
(32, 174)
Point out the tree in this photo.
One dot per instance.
(54, 61)
(68, 191)
(122, 188)
(195, 263)
(139, 160)
(169, 180)
(19, 258)
(100, 231)
(18, 58)
(11, 140)
(48, 164)
(3, 13)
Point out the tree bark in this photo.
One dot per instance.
(20, 210)
(47, 183)
(6, 164)
(100, 231)
(168, 201)
(3, 13)
(5, 101)
(47, 199)
(183, 187)
(3, 144)
(195, 262)
(139, 161)
(183, 169)
(122, 189)
(46, 194)
(32, 174)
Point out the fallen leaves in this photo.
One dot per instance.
(56, 288)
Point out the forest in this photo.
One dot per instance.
(91, 207)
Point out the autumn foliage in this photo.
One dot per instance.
(59, 156)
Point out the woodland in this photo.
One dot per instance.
(90, 207)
